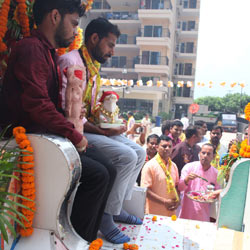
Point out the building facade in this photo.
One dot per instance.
(158, 42)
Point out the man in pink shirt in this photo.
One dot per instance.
(190, 181)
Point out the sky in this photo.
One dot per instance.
(223, 53)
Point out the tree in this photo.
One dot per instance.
(233, 103)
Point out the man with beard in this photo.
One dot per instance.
(31, 99)
(160, 177)
(215, 136)
(190, 181)
(126, 155)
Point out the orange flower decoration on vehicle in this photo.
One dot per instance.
(245, 149)
(96, 244)
(27, 179)
(247, 112)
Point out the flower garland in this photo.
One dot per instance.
(23, 17)
(3, 23)
(96, 244)
(169, 179)
(27, 179)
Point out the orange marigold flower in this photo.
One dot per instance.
(96, 244)
(28, 192)
(173, 217)
(125, 246)
(235, 155)
(24, 144)
(28, 151)
(133, 247)
(28, 185)
(27, 166)
(28, 158)
(20, 137)
(154, 218)
(28, 172)
(28, 212)
(29, 178)
(26, 231)
(18, 130)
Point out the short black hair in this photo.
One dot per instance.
(200, 123)
(191, 130)
(102, 27)
(177, 123)
(215, 127)
(165, 138)
(165, 126)
(42, 7)
(152, 137)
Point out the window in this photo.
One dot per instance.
(118, 61)
(152, 31)
(123, 39)
(188, 69)
(186, 91)
(192, 4)
(184, 25)
(191, 25)
(182, 48)
(151, 57)
(190, 47)
(148, 30)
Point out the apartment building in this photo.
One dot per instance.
(158, 42)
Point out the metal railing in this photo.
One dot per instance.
(184, 72)
(185, 49)
(154, 32)
(121, 15)
(128, 64)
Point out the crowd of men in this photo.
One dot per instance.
(33, 94)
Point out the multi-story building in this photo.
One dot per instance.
(158, 42)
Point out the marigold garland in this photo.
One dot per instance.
(23, 17)
(96, 244)
(3, 23)
(247, 112)
(27, 179)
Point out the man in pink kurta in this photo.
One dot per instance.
(189, 181)
(159, 201)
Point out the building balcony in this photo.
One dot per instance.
(185, 52)
(118, 64)
(100, 5)
(121, 15)
(185, 74)
(125, 42)
(188, 9)
(154, 37)
(188, 33)
(155, 4)
(156, 14)
(150, 64)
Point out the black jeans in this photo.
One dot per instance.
(98, 176)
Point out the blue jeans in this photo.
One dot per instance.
(128, 158)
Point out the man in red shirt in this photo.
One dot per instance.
(30, 98)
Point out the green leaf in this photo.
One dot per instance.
(8, 224)
(11, 203)
(17, 195)
(13, 218)
(15, 212)
(3, 230)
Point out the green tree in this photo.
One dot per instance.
(234, 103)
